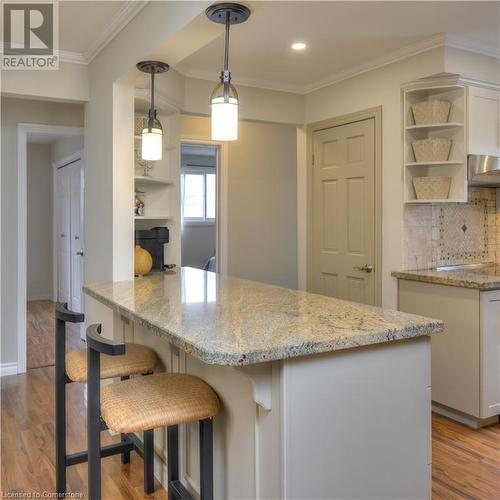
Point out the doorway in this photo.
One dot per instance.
(41, 149)
(200, 205)
(345, 226)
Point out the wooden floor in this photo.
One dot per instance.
(27, 442)
(466, 463)
(40, 334)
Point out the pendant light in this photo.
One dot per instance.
(224, 100)
(152, 135)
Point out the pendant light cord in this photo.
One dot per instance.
(152, 112)
(226, 43)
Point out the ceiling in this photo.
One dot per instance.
(342, 38)
(85, 27)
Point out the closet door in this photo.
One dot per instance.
(76, 234)
(63, 236)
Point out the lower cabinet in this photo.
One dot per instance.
(466, 356)
(490, 353)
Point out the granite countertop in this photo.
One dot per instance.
(483, 277)
(230, 321)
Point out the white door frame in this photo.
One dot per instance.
(23, 130)
(376, 114)
(221, 218)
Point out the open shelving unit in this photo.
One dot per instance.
(455, 130)
(156, 183)
(143, 179)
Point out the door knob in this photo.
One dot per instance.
(367, 268)
(79, 253)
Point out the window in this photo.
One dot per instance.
(198, 194)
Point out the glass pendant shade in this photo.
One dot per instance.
(224, 104)
(152, 138)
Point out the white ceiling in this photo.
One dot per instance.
(342, 38)
(85, 27)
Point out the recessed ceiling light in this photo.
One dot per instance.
(299, 46)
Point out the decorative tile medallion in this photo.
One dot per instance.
(454, 233)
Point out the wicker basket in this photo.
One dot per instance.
(432, 149)
(429, 112)
(140, 123)
(432, 187)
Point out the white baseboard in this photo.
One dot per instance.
(463, 418)
(8, 369)
(39, 297)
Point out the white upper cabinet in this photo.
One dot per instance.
(483, 121)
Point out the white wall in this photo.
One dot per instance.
(261, 199)
(381, 87)
(66, 146)
(198, 244)
(170, 31)
(255, 104)
(16, 111)
(68, 83)
(39, 222)
(472, 65)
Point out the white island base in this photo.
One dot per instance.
(350, 424)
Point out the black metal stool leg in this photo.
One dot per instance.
(172, 459)
(60, 410)
(149, 478)
(206, 460)
(94, 424)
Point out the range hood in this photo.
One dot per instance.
(483, 170)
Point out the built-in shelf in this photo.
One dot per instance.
(444, 88)
(435, 126)
(151, 217)
(142, 179)
(432, 163)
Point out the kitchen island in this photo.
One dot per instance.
(321, 398)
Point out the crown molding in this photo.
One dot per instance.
(439, 40)
(116, 24)
(379, 62)
(71, 57)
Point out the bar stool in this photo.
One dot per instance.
(72, 367)
(144, 404)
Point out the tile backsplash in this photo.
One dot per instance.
(453, 233)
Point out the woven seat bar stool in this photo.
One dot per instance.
(142, 405)
(72, 367)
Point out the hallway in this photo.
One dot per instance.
(40, 335)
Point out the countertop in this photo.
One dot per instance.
(230, 321)
(483, 277)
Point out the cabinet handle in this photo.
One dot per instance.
(494, 300)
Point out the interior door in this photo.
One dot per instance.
(76, 234)
(343, 253)
(63, 209)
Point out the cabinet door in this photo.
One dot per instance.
(490, 353)
(484, 121)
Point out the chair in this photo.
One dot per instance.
(142, 405)
(72, 367)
